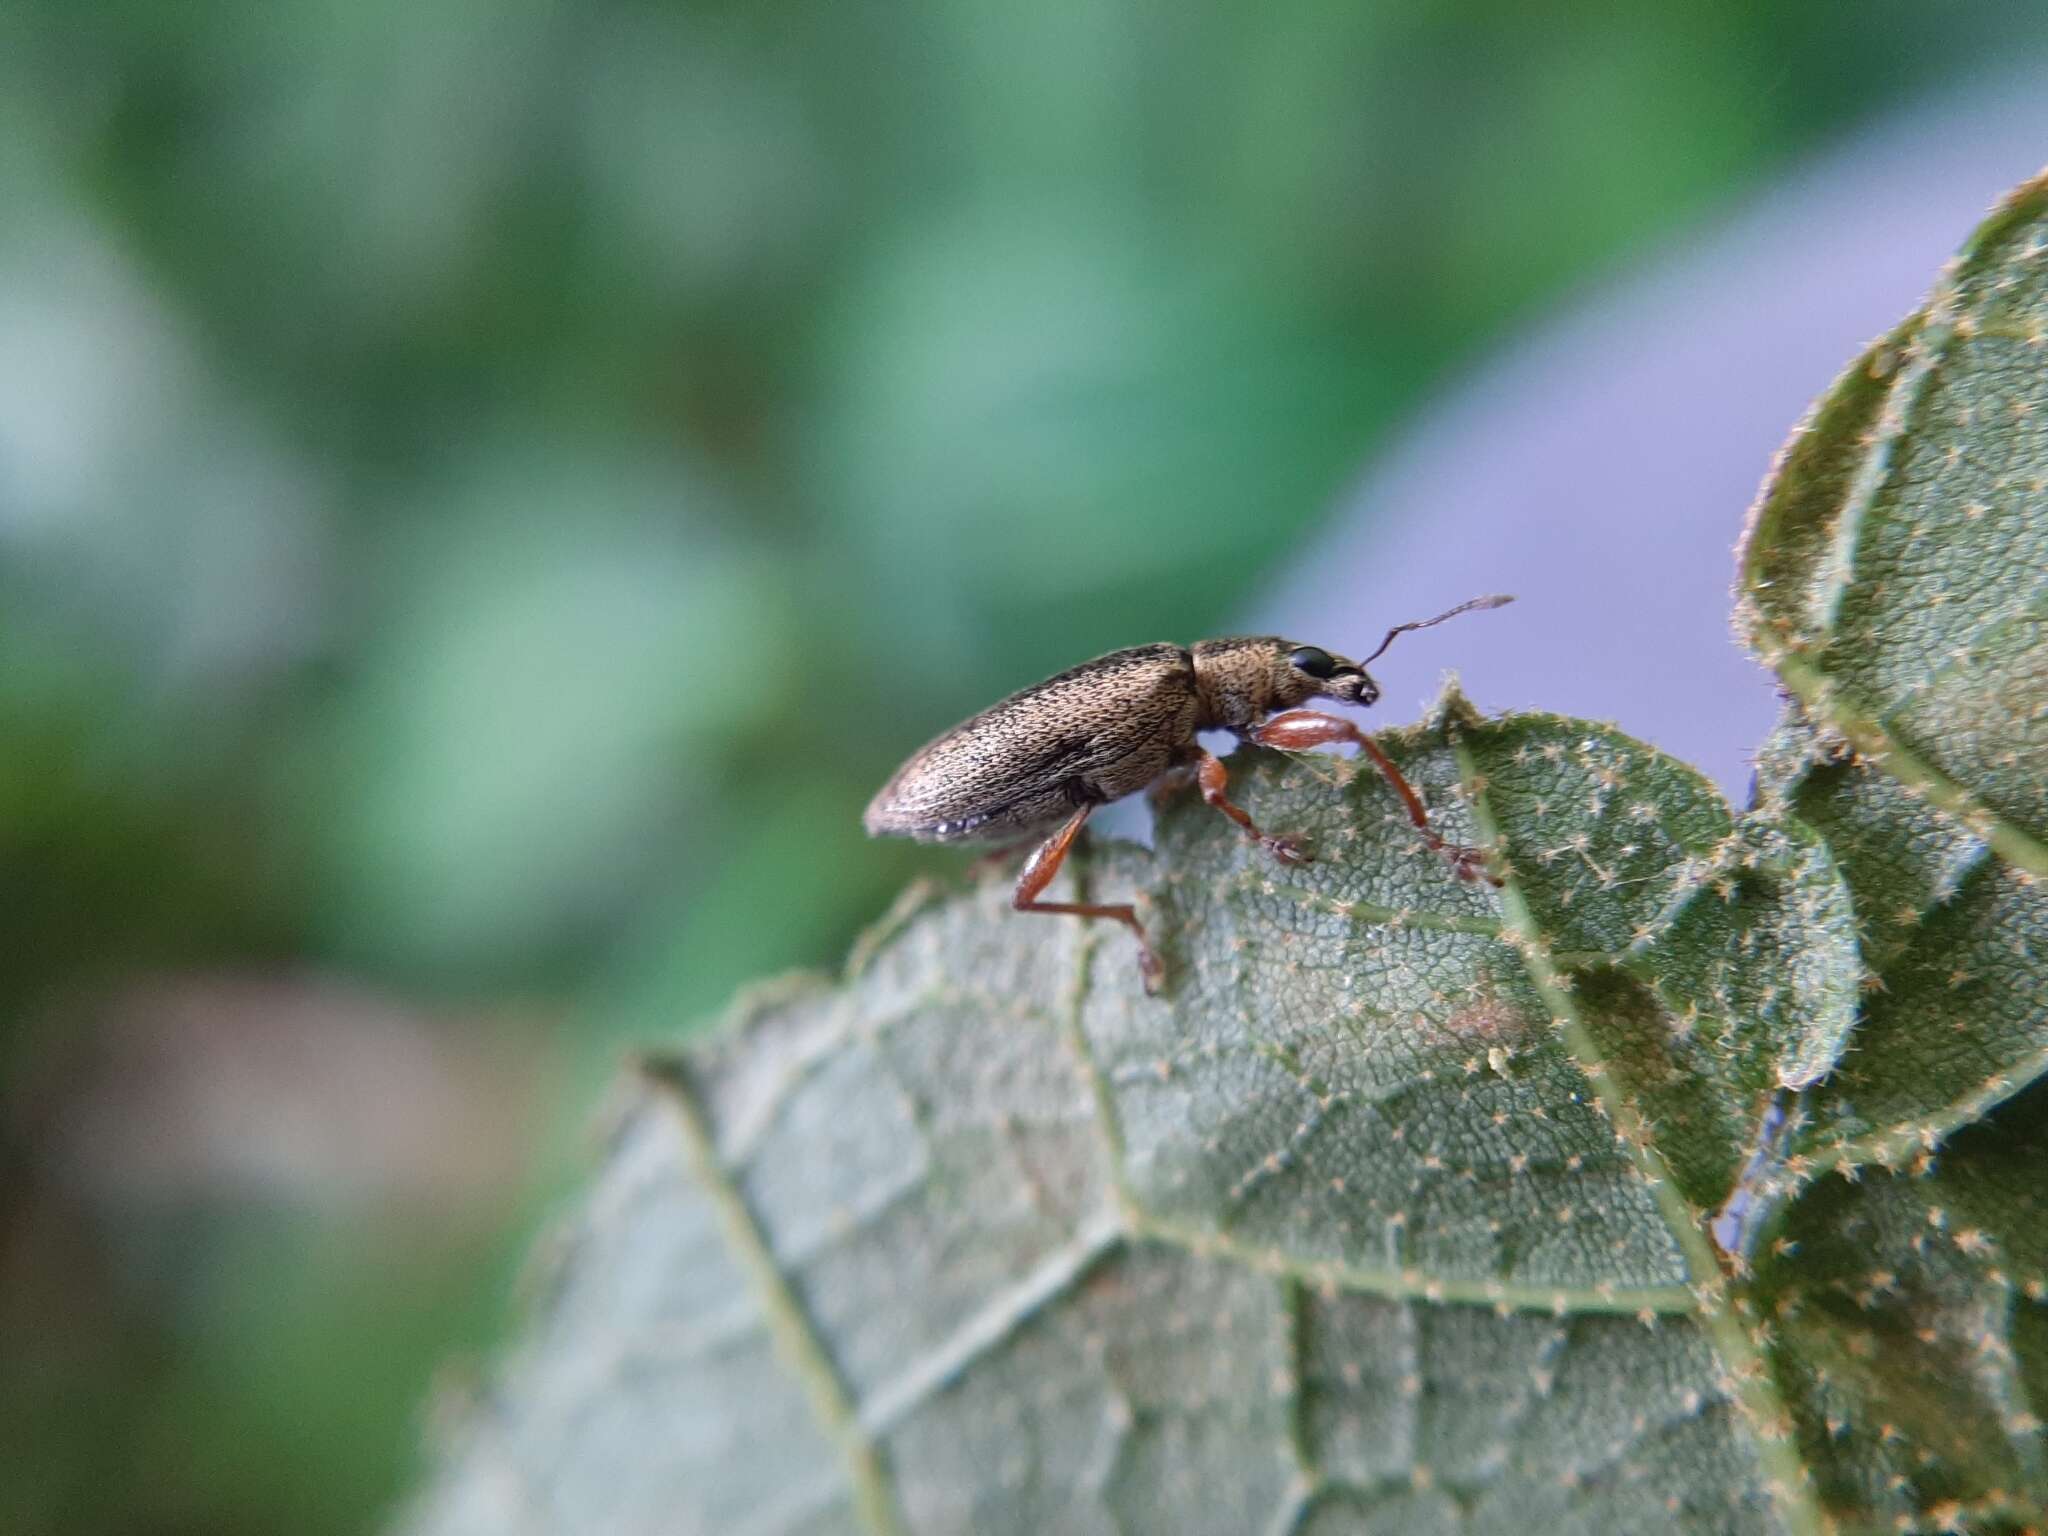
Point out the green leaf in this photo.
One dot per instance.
(1895, 575)
(1957, 944)
(1894, 571)
(1912, 1341)
(1389, 1214)
(1397, 1211)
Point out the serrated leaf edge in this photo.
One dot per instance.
(1918, 340)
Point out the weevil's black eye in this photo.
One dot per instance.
(1306, 658)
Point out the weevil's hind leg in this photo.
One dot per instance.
(1170, 783)
(1215, 779)
(1297, 729)
(1037, 874)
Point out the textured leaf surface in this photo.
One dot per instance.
(1895, 572)
(1955, 1017)
(1394, 1213)
(1390, 1216)
(1911, 1339)
(1894, 575)
(1908, 1332)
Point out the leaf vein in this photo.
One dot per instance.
(1764, 1407)
(795, 1332)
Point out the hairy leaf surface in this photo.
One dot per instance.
(1689, 1180)
(1895, 573)
(1389, 1215)
(1910, 1334)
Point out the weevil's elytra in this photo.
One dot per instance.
(1043, 759)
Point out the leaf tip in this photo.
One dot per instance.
(1452, 707)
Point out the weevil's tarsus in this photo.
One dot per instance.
(1215, 780)
(1492, 600)
(1038, 872)
(1297, 730)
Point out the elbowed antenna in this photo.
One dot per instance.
(1493, 600)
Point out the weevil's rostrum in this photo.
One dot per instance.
(1039, 762)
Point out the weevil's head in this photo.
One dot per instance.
(1242, 680)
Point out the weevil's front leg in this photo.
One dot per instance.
(1045, 862)
(1215, 779)
(1297, 729)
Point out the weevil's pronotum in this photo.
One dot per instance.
(1042, 760)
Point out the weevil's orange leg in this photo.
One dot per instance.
(1045, 862)
(1215, 779)
(1296, 729)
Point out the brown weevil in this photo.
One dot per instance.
(1043, 759)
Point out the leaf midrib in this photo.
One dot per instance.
(854, 1426)
(1824, 695)
(1754, 1388)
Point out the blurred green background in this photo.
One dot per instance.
(487, 491)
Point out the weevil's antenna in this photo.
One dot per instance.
(1495, 600)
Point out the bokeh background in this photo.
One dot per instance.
(487, 491)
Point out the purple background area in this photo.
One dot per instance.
(1601, 469)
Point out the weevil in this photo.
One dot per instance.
(1038, 764)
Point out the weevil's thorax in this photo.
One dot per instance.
(1242, 680)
